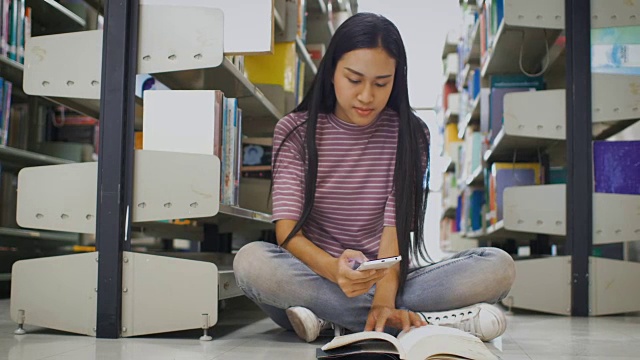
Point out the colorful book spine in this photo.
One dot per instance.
(5, 29)
(502, 85)
(616, 167)
(6, 114)
(237, 164)
(504, 175)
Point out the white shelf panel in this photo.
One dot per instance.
(450, 117)
(529, 23)
(497, 233)
(537, 119)
(449, 48)
(14, 72)
(532, 17)
(197, 43)
(529, 208)
(476, 177)
(613, 286)
(449, 212)
(553, 295)
(278, 20)
(542, 209)
(64, 197)
(612, 13)
(532, 120)
(474, 114)
(538, 114)
(474, 53)
(48, 71)
(543, 14)
(245, 213)
(229, 80)
(239, 16)
(615, 97)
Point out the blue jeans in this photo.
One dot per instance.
(276, 280)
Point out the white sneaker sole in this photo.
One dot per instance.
(297, 318)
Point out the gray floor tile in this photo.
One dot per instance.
(243, 332)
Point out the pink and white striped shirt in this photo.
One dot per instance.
(354, 194)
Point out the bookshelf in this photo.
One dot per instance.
(539, 126)
(146, 206)
(14, 72)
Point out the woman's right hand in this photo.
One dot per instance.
(352, 282)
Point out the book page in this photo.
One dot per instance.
(345, 340)
(426, 341)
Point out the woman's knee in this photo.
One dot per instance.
(504, 273)
(250, 261)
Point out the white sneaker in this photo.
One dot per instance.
(485, 321)
(305, 323)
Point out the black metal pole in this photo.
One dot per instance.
(579, 152)
(115, 162)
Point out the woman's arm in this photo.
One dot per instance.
(383, 309)
(337, 270)
(387, 288)
(315, 258)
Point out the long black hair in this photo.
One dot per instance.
(370, 31)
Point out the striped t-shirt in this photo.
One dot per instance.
(354, 192)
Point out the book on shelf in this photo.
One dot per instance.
(422, 343)
(616, 50)
(616, 167)
(504, 175)
(17, 133)
(15, 27)
(6, 90)
(485, 96)
(316, 52)
(198, 122)
(502, 85)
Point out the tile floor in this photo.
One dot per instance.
(244, 333)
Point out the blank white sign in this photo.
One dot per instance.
(248, 24)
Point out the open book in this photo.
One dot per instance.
(422, 343)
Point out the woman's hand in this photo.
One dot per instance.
(380, 315)
(352, 282)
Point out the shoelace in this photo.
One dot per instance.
(464, 321)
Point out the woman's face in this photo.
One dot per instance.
(363, 81)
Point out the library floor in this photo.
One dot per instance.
(244, 333)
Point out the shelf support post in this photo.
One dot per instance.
(579, 151)
(115, 162)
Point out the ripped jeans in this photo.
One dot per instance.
(275, 280)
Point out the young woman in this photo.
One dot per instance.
(349, 184)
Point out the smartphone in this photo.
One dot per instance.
(378, 264)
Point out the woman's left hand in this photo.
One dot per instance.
(379, 316)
